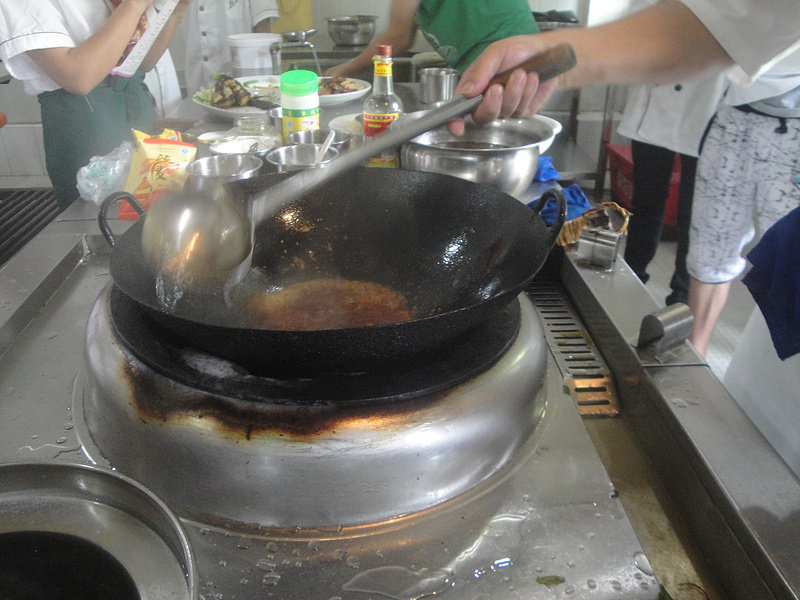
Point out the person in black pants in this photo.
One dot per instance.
(651, 186)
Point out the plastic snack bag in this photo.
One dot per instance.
(158, 166)
(105, 174)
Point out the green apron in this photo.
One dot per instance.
(77, 128)
(459, 30)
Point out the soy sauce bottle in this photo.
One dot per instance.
(382, 107)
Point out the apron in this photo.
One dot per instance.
(76, 128)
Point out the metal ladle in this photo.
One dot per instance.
(183, 237)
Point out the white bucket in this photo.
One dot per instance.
(250, 53)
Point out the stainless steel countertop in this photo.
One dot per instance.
(732, 487)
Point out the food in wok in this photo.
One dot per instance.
(328, 304)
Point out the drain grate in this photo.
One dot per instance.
(23, 214)
(585, 373)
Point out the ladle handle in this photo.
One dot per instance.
(548, 64)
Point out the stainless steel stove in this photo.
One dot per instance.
(490, 489)
(537, 516)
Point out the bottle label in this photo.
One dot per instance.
(299, 119)
(376, 124)
(383, 68)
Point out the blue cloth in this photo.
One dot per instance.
(577, 204)
(545, 171)
(774, 282)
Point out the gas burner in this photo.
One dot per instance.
(221, 445)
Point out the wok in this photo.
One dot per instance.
(458, 251)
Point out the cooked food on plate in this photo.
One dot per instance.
(337, 85)
(329, 304)
(228, 92)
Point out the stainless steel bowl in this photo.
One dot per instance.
(503, 154)
(299, 157)
(342, 140)
(356, 30)
(211, 172)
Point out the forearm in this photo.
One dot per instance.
(164, 37)
(78, 70)
(399, 34)
(663, 44)
(398, 40)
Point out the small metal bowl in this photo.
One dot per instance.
(257, 145)
(503, 154)
(356, 30)
(342, 140)
(209, 174)
(299, 157)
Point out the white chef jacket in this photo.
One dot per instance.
(162, 81)
(672, 116)
(783, 76)
(206, 27)
(36, 24)
(755, 33)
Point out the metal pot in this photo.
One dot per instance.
(355, 30)
(503, 154)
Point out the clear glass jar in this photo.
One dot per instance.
(251, 125)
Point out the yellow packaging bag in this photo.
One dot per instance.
(158, 166)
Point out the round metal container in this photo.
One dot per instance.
(299, 157)
(503, 154)
(316, 464)
(209, 174)
(95, 524)
(437, 84)
(342, 140)
(257, 145)
(356, 30)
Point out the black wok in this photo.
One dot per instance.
(456, 250)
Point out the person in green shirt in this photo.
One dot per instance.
(459, 30)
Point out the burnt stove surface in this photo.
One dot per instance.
(428, 373)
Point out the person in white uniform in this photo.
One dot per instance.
(63, 52)
(663, 121)
(206, 28)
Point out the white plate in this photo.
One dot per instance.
(268, 87)
(229, 113)
(349, 123)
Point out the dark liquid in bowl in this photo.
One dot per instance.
(43, 565)
(467, 145)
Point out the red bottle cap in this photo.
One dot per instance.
(383, 50)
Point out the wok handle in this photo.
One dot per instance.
(561, 217)
(102, 218)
